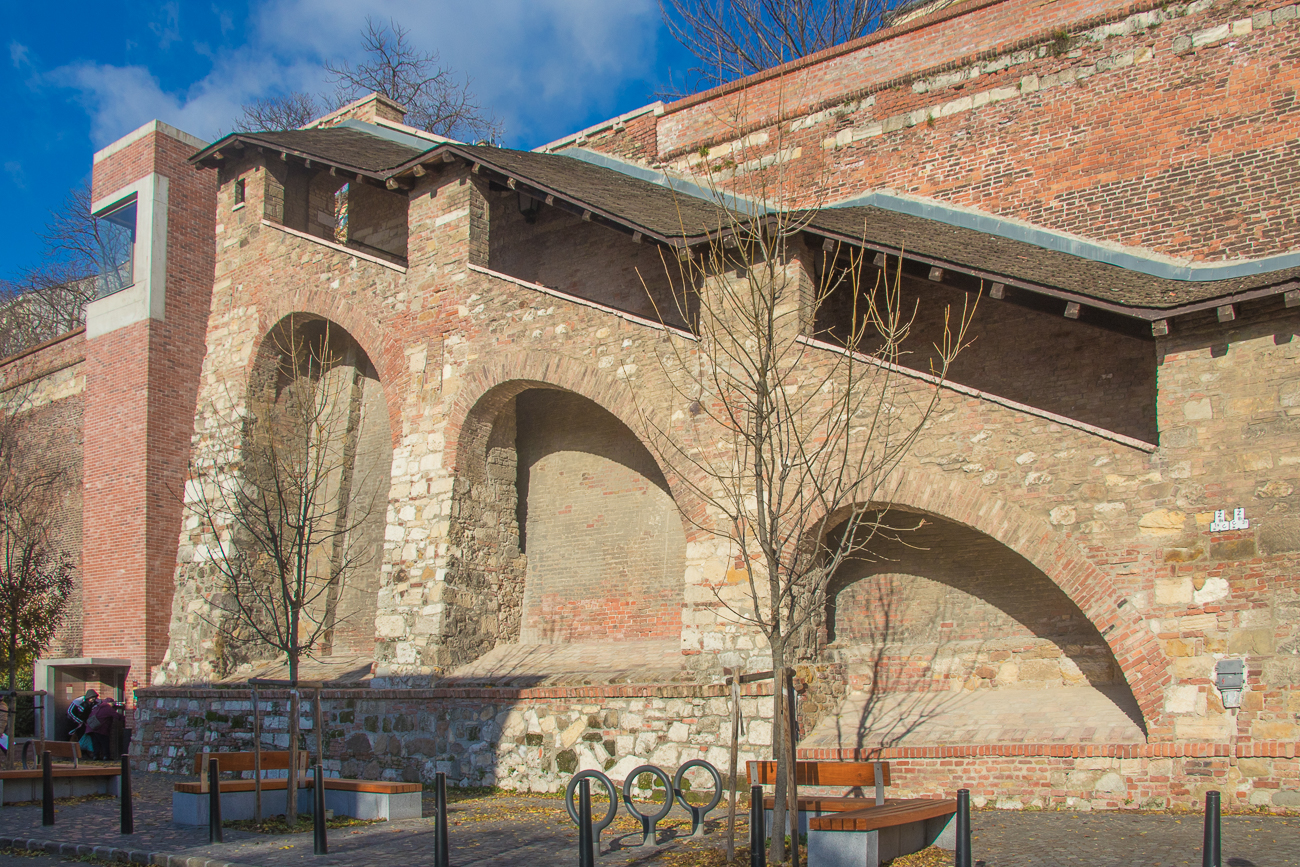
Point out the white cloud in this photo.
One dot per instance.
(540, 67)
(18, 54)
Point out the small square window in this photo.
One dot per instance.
(239, 191)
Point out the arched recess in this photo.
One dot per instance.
(386, 357)
(564, 528)
(1135, 650)
(304, 353)
(943, 630)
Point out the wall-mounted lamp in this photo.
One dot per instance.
(1230, 678)
(528, 206)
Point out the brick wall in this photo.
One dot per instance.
(603, 538)
(141, 382)
(585, 259)
(1058, 114)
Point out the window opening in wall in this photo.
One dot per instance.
(341, 215)
(239, 191)
(115, 236)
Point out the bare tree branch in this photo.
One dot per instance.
(295, 110)
(50, 299)
(437, 99)
(735, 38)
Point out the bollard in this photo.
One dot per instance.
(1212, 851)
(47, 790)
(320, 845)
(214, 802)
(757, 834)
(963, 828)
(586, 851)
(128, 814)
(441, 854)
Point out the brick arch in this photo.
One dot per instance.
(386, 355)
(1131, 641)
(489, 385)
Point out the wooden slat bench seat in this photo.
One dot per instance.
(25, 784)
(57, 749)
(853, 830)
(363, 799)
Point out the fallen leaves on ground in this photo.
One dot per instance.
(277, 825)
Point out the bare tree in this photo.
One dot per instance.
(735, 38)
(791, 443)
(50, 299)
(295, 110)
(437, 99)
(272, 493)
(36, 576)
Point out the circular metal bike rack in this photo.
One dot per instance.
(596, 827)
(648, 822)
(698, 813)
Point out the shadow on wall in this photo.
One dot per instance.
(565, 528)
(943, 621)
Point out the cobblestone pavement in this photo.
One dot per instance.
(536, 831)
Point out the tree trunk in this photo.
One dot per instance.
(780, 730)
(291, 795)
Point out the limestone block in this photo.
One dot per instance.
(1255, 767)
(1110, 784)
(1201, 409)
(570, 735)
(1184, 698)
(1194, 729)
(1251, 642)
(1274, 731)
(1173, 590)
(1162, 522)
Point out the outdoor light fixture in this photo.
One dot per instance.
(528, 206)
(1230, 677)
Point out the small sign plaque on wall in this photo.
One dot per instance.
(1221, 522)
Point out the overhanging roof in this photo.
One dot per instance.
(681, 217)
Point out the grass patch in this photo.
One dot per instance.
(277, 824)
(10, 852)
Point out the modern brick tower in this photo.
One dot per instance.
(144, 346)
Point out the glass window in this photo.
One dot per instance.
(115, 231)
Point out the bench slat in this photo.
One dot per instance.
(821, 773)
(816, 804)
(272, 760)
(35, 773)
(886, 816)
(331, 783)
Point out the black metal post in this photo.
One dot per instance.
(1212, 852)
(757, 834)
(586, 849)
(319, 843)
(214, 802)
(963, 858)
(441, 854)
(124, 784)
(47, 790)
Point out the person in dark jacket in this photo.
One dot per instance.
(99, 726)
(79, 711)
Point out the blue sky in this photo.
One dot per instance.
(77, 76)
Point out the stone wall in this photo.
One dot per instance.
(529, 740)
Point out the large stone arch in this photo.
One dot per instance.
(385, 354)
(1121, 626)
(355, 412)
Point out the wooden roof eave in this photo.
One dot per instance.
(1145, 314)
(575, 204)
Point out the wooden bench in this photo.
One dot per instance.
(362, 799)
(18, 785)
(852, 830)
(57, 749)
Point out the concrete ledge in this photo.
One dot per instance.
(192, 809)
(871, 848)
